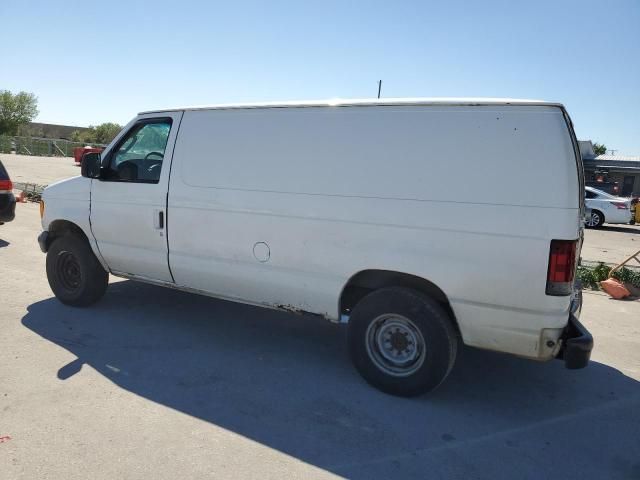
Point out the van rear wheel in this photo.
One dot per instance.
(401, 341)
(74, 273)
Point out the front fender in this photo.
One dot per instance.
(68, 201)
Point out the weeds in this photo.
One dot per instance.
(592, 276)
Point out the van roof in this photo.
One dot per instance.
(339, 102)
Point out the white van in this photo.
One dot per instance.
(414, 221)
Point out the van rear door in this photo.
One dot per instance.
(128, 202)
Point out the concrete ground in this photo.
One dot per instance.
(611, 243)
(154, 383)
(40, 170)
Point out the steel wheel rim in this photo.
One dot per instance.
(68, 271)
(395, 345)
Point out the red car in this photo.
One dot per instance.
(79, 151)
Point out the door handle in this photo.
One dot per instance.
(158, 219)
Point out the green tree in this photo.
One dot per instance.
(84, 136)
(77, 136)
(103, 133)
(106, 132)
(16, 110)
(599, 148)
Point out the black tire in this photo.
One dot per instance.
(374, 319)
(74, 273)
(597, 218)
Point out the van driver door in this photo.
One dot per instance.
(129, 202)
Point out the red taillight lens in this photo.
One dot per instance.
(620, 205)
(562, 267)
(6, 185)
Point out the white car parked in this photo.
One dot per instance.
(606, 208)
(349, 210)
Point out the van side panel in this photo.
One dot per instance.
(468, 197)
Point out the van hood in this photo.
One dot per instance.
(75, 188)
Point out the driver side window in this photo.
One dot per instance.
(138, 156)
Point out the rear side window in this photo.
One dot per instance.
(589, 194)
(138, 157)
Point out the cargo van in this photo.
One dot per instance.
(419, 223)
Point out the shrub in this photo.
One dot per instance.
(627, 275)
(601, 272)
(592, 276)
(586, 276)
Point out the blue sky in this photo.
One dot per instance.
(92, 62)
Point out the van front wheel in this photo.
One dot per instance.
(74, 273)
(401, 341)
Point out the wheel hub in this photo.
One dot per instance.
(399, 341)
(395, 345)
(68, 269)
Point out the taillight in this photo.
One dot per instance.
(562, 267)
(6, 185)
(620, 205)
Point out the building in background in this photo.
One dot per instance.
(49, 130)
(615, 174)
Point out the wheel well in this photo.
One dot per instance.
(366, 281)
(60, 228)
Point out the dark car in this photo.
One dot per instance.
(7, 200)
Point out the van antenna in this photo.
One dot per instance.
(379, 87)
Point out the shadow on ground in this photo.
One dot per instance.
(3, 243)
(621, 229)
(285, 381)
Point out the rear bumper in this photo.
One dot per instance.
(577, 344)
(622, 217)
(7, 207)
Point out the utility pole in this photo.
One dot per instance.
(613, 152)
(379, 87)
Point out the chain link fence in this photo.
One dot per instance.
(41, 147)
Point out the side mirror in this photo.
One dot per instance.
(90, 165)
